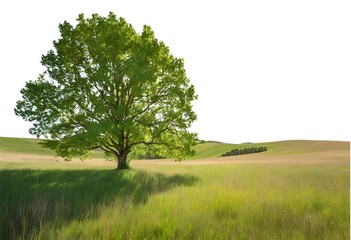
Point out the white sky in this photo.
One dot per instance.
(263, 70)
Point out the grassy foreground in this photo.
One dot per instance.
(261, 200)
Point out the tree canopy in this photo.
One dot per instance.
(107, 86)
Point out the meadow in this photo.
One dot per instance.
(295, 190)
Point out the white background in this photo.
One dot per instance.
(263, 70)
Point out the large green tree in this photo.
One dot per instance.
(107, 86)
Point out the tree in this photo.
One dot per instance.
(107, 86)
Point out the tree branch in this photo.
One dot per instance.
(109, 149)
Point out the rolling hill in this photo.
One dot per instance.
(208, 149)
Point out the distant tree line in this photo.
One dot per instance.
(149, 157)
(236, 151)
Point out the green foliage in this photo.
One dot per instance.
(250, 150)
(107, 86)
(212, 149)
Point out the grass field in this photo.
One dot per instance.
(295, 190)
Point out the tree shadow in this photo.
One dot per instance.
(31, 198)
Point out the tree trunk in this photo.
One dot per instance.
(122, 160)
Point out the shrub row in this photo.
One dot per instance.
(149, 157)
(235, 152)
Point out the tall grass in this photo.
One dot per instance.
(33, 199)
(249, 201)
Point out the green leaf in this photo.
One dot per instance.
(107, 86)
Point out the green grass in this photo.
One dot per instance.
(207, 150)
(32, 200)
(30, 146)
(23, 145)
(257, 201)
(175, 201)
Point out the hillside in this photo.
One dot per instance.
(212, 149)
(23, 145)
(203, 150)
